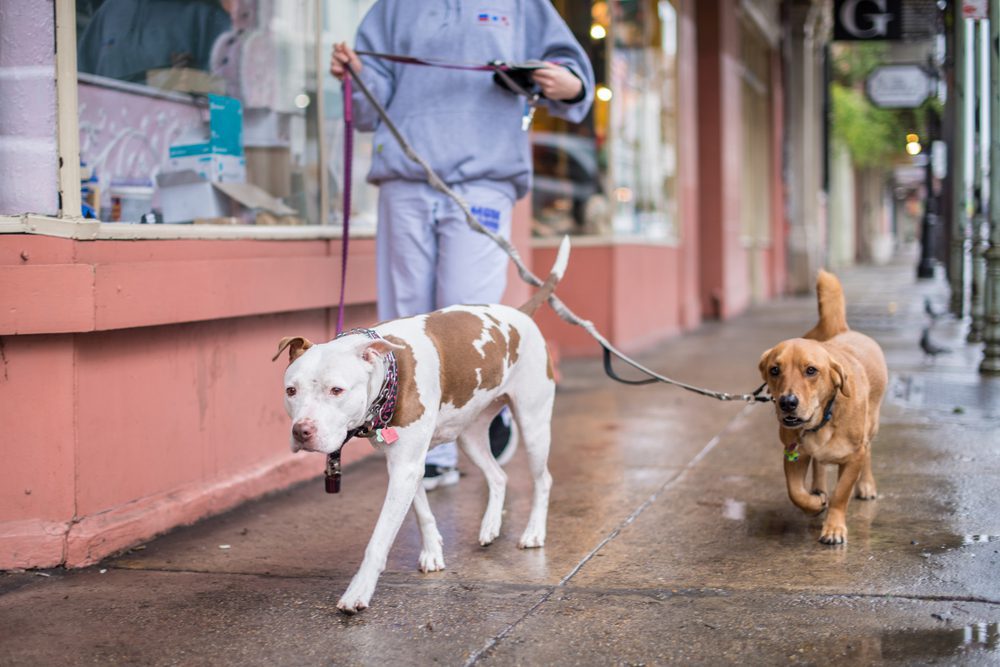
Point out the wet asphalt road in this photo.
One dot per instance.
(671, 538)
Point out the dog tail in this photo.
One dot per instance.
(832, 310)
(549, 286)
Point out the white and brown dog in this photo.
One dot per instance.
(456, 368)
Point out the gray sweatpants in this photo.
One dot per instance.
(427, 257)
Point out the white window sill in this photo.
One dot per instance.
(88, 230)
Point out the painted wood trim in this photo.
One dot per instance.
(67, 110)
(89, 230)
(104, 296)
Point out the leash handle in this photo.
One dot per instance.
(348, 165)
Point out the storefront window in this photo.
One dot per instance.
(568, 192)
(340, 23)
(642, 125)
(199, 111)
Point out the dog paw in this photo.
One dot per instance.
(486, 537)
(814, 504)
(866, 491)
(833, 533)
(351, 608)
(356, 598)
(431, 561)
(531, 540)
(489, 531)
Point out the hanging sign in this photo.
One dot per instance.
(898, 86)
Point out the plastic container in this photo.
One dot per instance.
(130, 201)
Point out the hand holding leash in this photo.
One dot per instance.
(340, 58)
(557, 82)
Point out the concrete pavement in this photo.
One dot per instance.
(671, 538)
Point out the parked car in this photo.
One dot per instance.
(567, 195)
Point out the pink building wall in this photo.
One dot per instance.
(137, 391)
(724, 286)
(29, 158)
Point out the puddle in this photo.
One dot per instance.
(916, 646)
(958, 396)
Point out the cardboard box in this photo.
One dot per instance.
(186, 196)
(270, 168)
(215, 152)
(211, 167)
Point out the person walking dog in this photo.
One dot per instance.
(469, 129)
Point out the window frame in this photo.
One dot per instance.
(69, 221)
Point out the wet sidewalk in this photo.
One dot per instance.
(670, 537)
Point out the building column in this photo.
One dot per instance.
(725, 290)
(29, 159)
(991, 322)
(805, 30)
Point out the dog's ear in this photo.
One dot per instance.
(840, 377)
(376, 347)
(764, 358)
(297, 346)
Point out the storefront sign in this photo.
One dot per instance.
(898, 86)
(975, 9)
(868, 19)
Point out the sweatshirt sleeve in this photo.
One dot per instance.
(558, 45)
(374, 34)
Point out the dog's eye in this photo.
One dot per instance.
(336, 391)
(775, 371)
(811, 370)
(290, 391)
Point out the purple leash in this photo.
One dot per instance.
(348, 154)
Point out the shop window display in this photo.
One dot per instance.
(642, 124)
(199, 111)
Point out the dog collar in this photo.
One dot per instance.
(827, 416)
(382, 408)
(377, 418)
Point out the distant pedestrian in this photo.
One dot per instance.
(470, 131)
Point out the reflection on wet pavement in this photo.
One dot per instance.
(915, 646)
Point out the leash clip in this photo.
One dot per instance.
(530, 104)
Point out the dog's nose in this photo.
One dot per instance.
(788, 403)
(304, 430)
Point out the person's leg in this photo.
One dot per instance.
(472, 268)
(406, 249)
(406, 257)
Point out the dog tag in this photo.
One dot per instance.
(790, 454)
(386, 435)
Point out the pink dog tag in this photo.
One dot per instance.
(388, 435)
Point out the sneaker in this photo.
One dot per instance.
(435, 476)
(503, 437)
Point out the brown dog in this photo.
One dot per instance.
(827, 388)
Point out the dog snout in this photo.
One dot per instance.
(304, 430)
(788, 402)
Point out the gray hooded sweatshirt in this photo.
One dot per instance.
(467, 127)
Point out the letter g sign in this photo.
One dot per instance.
(867, 19)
